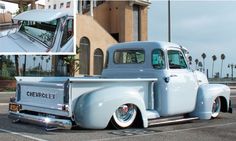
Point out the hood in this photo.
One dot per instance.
(17, 43)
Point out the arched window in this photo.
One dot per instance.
(98, 61)
(84, 56)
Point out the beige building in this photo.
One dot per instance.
(22, 3)
(5, 18)
(100, 24)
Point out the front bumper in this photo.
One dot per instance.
(40, 120)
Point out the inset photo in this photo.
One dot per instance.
(42, 27)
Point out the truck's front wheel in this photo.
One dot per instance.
(216, 108)
(124, 116)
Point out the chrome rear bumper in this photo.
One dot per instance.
(40, 120)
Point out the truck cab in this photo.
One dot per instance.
(176, 89)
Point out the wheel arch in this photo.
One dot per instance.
(103, 103)
(207, 93)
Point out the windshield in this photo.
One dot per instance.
(43, 31)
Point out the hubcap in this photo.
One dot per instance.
(125, 112)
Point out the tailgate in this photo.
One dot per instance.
(42, 94)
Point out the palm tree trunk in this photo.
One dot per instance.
(203, 65)
(221, 68)
(212, 69)
(17, 65)
(24, 66)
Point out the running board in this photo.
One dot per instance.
(169, 121)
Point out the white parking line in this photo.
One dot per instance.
(164, 132)
(22, 135)
(3, 104)
(232, 96)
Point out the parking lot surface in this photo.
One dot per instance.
(222, 128)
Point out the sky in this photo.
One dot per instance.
(200, 26)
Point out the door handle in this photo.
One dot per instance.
(167, 79)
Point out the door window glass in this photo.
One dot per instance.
(158, 59)
(176, 60)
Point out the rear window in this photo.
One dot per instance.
(129, 57)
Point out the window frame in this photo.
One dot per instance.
(69, 18)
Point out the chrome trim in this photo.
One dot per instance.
(40, 120)
(158, 122)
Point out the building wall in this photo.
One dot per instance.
(117, 17)
(108, 18)
(49, 4)
(5, 18)
(87, 27)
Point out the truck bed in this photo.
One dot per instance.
(52, 94)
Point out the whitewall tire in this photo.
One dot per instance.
(124, 116)
(216, 106)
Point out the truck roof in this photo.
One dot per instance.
(148, 44)
(42, 15)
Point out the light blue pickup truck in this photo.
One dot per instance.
(143, 83)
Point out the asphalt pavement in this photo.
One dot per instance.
(222, 128)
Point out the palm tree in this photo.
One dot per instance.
(222, 57)
(203, 58)
(214, 59)
(47, 60)
(196, 61)
(42, 62)
(34, 58)
(190, 58)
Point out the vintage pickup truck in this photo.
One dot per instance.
(143, 83)
(41, 32)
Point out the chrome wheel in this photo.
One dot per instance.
(216, 107)
(124, 116)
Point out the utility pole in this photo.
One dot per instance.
(232, 66)
(169, 22)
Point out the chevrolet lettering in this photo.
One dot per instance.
(41, 94)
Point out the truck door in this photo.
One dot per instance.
(181, 85)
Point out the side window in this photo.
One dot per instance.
(68, 32)
(176, 60)
(158, 59)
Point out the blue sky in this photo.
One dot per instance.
(200, 26)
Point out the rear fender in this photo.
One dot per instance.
(95, 109)
(206, 96)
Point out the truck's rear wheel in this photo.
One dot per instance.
(124, 116)
(216, 108)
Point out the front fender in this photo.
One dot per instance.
(206, 96)
(95, 109)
